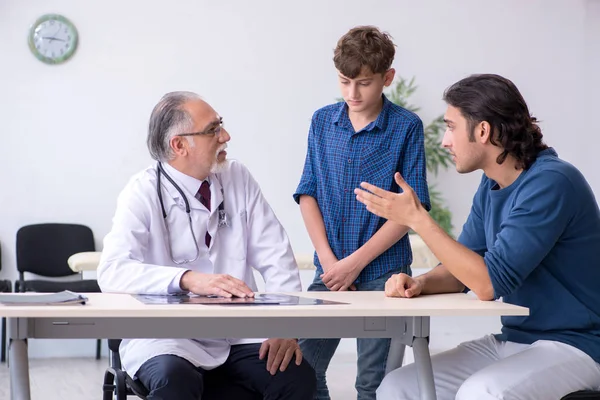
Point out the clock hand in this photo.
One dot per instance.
(52, 38)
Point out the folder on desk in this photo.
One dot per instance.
(66, 297)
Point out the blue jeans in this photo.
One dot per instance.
(372, 353)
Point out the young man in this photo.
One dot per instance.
(365, 137)
(195, 222)
(532, 238)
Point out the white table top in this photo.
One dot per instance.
(362, 304)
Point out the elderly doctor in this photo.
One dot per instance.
(195, 222)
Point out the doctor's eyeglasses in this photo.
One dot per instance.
(214, 129)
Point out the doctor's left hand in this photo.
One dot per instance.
(214, 284)
(280, 353)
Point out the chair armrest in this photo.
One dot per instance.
(86, 261)
(305, 261)
(422, 256)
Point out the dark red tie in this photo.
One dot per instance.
(204, 196)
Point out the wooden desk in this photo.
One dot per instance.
(367, 314)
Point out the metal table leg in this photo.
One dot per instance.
(18, 360)
(424, 368)
(395, 355)
(416, 334)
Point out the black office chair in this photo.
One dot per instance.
(43, 249)
(5, 287)
(116, 381)
(120, 385)
(583, 395)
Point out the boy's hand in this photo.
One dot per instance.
(341, 275)
(328, 262)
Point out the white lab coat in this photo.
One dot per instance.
(136, 260)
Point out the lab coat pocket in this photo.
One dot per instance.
(233, 238)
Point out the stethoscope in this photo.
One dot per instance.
(223, 219)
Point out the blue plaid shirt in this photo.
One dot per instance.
(339, 159)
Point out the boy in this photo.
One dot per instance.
(363, 138)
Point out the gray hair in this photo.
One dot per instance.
(168, 119)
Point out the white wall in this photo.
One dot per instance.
(71, 135)
(592, 96)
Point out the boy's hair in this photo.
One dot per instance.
(495, 99)
(364, 46)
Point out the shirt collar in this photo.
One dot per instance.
(342, 119)
(549, 152)
(190, 184)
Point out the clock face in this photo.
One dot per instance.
(53, 39)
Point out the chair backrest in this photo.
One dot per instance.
(44, 249)
(114, 356)
(5, 287)
(113, 344)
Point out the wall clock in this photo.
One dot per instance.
(53, 39)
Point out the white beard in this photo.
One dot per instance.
(220, 166)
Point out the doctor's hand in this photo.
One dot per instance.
(214, 284)
(402, 285)
(279, 353)
(341, 275)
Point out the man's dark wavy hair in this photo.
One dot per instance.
(492, 98)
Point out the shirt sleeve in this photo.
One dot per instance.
(175, 285)
(540, 215)
(472, 235)
(308, 181)
(413, 167)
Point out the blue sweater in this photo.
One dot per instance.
(540, 239)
